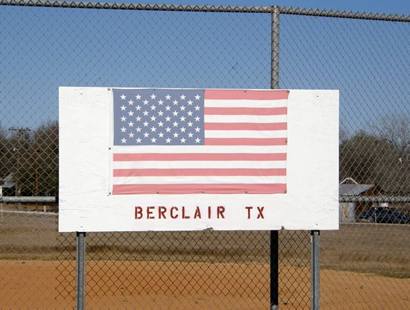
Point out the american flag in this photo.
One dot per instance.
(186, 141)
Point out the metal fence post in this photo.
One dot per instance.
(80, 270)
(274, 234)
(315, 269)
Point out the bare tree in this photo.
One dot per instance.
(396, 130)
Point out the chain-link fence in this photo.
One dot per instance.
(366, 264)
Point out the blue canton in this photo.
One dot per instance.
(158, 116)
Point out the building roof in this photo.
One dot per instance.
(354, 189)
(7, 182)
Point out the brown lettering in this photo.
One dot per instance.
(260, 214)
(161, 212)
(173, 216)
(138, 213)
(184, 216)
(220, 212)
(150, 213)
(197, 213)
(249, 211)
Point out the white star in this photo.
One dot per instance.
(138, 107)
(197, 118)
(160, 102)
(138, 118)
(153, 118)
(167, 108)
(190, 124)
(153, 129)
(175, 124)
(123, 97)
(146, 101)
(160, 124)
(190, 102)
(168, 140)
(182, 118)
(131, 135)
(197, 108)
(160, 134)
(153, 107)
(138, 97)
(190, 135)
(123, 140)
(183, 97)
(123, 108)
(168, 129)
(130, 102)
(146, 134)
(145, 113)
(197, 97)
(153, 140)
(168, 97)
(160, 113)
(123, 118)
(183, 129)
(190, 113)
(197, 129)
(182, 108)
(145, 124)
(175, 113)
(130, 113)
(131, 124)
(197, 140)
(138, 129)
(183, 140)
(138, 140)
(175, 102)
(123, 129)
(168, 119)
(153, 96)
(175, 135)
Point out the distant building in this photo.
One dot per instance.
(349, 212)
(7, 186)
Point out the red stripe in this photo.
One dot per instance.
(245, 141)
(198, 172)
(198, 156)
(246, 126)
(246, 111)
(199, 188)
(246, 94)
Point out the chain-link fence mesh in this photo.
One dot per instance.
(365, 264)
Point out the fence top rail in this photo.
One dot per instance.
(208, 8)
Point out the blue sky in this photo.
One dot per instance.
(46, 48)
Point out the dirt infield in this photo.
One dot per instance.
(180, 287)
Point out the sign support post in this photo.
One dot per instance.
(315, 268)
(274, 234)
(80, 270)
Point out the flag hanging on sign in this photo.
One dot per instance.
(187, 141)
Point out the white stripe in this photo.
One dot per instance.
(245, 119)
(199, 180)
(214, 103)
(245, 134)
(199, 149)
(197, 164)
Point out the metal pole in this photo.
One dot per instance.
(315, 268)
(80, 270)
(274, 235)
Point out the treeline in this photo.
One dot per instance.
(380, 157)
(31, 157)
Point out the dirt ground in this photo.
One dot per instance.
(179, 286)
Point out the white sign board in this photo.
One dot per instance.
(145, 159)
